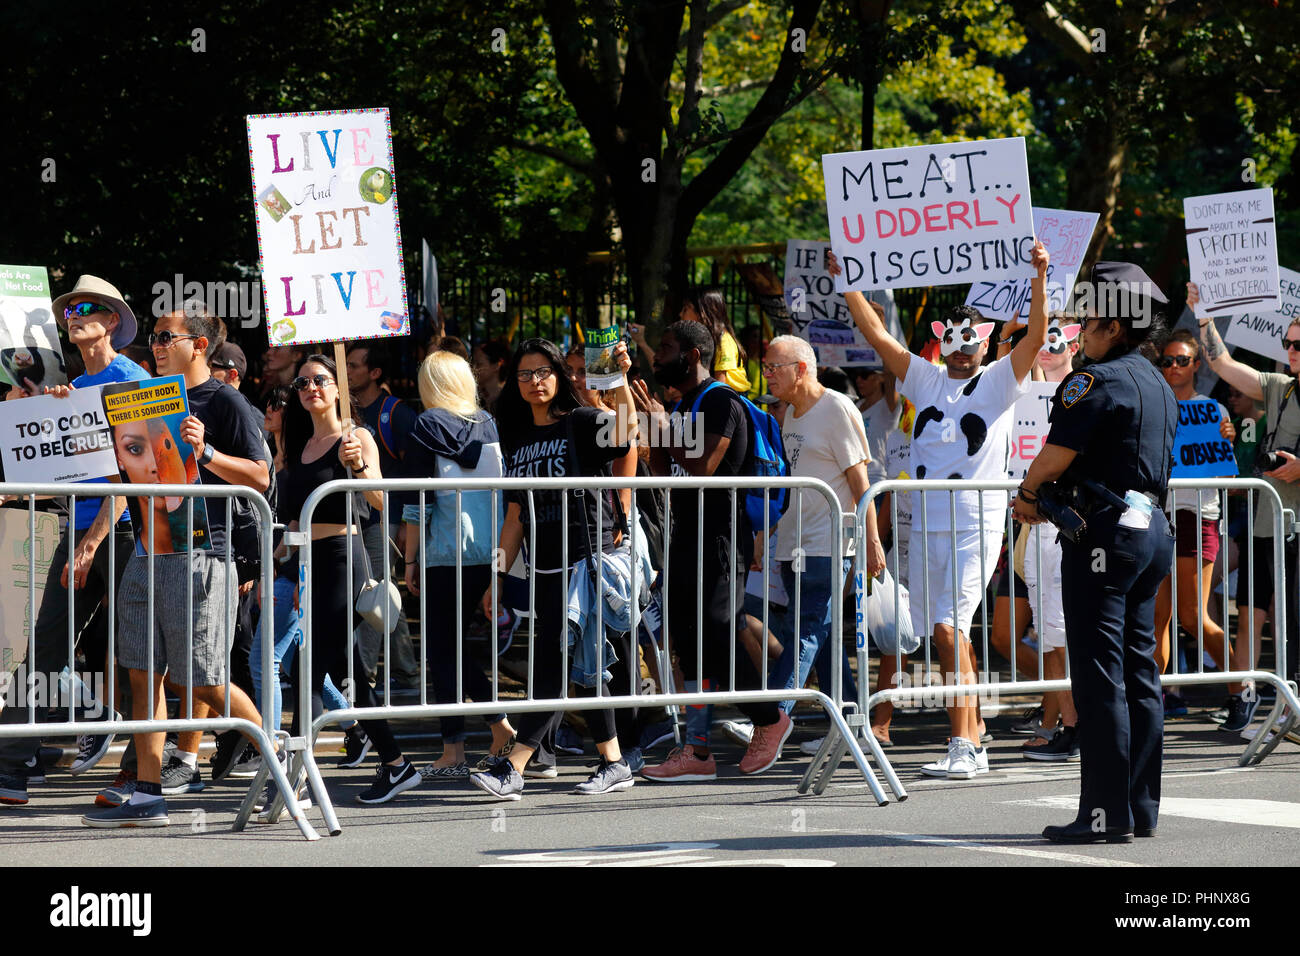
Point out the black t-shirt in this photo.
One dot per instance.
(720, 413)
(233, 427)
(543, 452)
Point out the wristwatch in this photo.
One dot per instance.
(208, 453)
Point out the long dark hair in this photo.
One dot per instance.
(513, 413)
(709, 303)
(297, 420)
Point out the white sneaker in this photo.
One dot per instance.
(810, 747)
(1250, 733)
(962, 762)
(740, 731)
(982, 760)
(940, 767)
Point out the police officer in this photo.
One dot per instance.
(1109, 447)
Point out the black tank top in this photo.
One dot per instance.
(301, 479)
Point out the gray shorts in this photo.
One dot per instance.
(212, 613)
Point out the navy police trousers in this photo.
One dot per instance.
(1109, 583)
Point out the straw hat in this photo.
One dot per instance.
(101, 292)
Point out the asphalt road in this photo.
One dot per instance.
(1214, 814)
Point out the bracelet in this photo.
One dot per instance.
(1025, 493)
(1204, 324)
(1006, 341)
(363, 467)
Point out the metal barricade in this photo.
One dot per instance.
(830, 700)
(918, 580)
(262, 734)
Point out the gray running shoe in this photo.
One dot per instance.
(503, 781)
(607, 777)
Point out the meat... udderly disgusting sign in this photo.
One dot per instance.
(328, 231)
(930, 215)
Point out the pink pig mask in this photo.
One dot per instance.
(960, 336)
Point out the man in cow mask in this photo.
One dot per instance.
(962, 430)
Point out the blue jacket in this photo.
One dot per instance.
(444, 445)
(616, 615)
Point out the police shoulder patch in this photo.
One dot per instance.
(1076, 386)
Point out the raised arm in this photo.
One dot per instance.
(872, 326)
(1026, 351)
(1241, 377)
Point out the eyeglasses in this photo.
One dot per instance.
(1182, 361)
(526, 375)
(83, 309)
(320, 380)
(167, 339)
(768, 368)
(1291, 345)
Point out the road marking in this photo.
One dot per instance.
(1054, 855)
(1263, 813)
(652, 854)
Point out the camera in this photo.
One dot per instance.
(1267, 461)
(1055, 503)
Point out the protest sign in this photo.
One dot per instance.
(328, 232)
(17, 546)
(1262, 332)
(1232, 252)
(29, 337)
(930, 215)
(1200, 450)
(44, 438)
(1066, 234)
(819, 314)
(602, 367)
(145, 418)
(1029, 427)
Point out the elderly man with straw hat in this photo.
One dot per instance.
(98, 322)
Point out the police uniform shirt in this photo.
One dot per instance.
(1282, 406)
(962, 430)
(1120, 416)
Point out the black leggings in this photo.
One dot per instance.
(439, 613)
(333, 618)
(550, 615)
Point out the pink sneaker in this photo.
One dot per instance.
(765, 749)
(683, 766)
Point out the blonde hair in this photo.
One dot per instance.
(446, 381)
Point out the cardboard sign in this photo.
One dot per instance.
(1232, 252)
(1066, 235)
(16, 545)
(43, 438)
(1029, 428)
(1262, 332)
(29, 337)
(819, 314)
(1200, 451)
(145, 418)
(930, 215)
(328, 233)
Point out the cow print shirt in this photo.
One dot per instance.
(962, 430)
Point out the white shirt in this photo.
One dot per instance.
(962, 430)
(823, 442)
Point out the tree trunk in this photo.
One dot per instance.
(1095, 177)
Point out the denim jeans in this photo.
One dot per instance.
(288, 635)
(816, 592)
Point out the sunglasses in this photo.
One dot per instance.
(1182, 361)
(526, 375)
(83, 309)
(167, 339)
(320, 380)
(1291, 345)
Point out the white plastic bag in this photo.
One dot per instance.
(876, 610)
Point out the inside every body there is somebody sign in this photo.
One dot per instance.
(930, 215)
(328, 231)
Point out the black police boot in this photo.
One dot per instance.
(1084, 833)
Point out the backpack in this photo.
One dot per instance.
(766, 459)
(384, 426)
